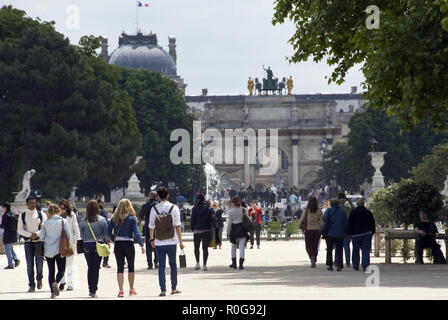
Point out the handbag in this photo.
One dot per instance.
(247, 223)
(212, 243)
(182, 259)
(80, 246)
(101, 248)
(304, 222)
(65, 248)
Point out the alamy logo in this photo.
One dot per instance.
(250, 148)
(73, 19)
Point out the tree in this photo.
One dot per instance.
(404, 61)
(434, 167)
(160, 108)
(63, 113)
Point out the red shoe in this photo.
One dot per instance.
(132, 292)
(121, 294)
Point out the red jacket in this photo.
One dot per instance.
(257, 212)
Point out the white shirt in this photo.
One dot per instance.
(163, 208)
(32, 222)
(74, 228)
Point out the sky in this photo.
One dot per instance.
(220, 44)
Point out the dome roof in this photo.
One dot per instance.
(141, 51)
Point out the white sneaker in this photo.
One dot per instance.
(197, 266)
(204, 268)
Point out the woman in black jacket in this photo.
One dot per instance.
(219, 223)
(201, 223)
(9, 224)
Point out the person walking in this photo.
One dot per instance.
(311, 221)
(93, 226)
(236, 233)
(219, 223)
(66, 212)
(336, 232)
(105, 215)
(361, 228)
(9, 225)
(255, 214)
(293, 202)
(122, 228)
(145, 212)
(30, 221)
(347, 206)
(51, 235)
(202, 221)
(165, 233)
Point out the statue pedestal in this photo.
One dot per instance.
(378, 178)
(133, 191)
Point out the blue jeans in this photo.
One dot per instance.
(365, 244)
(347, 249)
(162, 252)
(30, 260)
(10, 254)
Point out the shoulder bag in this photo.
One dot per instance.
(304, 222)
(101, 248)
(65, 248)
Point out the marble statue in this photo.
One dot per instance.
(26, 186)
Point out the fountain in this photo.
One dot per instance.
(213, 182)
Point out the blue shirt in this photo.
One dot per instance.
(51, 235)
(99, 228)
(293, 198)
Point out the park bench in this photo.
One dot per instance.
(292, 228)
(274, 227)
(390, 234)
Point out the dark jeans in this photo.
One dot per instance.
(365, 244)
(347, 249)
(426, 242)
(338, 245)
(105, 260)
(256, 230)
(122, 250)
(150, 250)
(162, 252)
(204, 238)
(312, 238)
(93, 266)
(218, 235)
(51, 263)
(30, 260)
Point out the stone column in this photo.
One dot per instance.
(246, 163)
(295, 161)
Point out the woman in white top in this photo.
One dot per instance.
(66, 212)
(235, 231)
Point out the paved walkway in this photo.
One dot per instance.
(279, 270)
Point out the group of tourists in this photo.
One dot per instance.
(46, 233)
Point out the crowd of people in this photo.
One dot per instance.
(338, 221)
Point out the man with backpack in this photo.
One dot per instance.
(9, 224)
(165, 233)
(30, 221)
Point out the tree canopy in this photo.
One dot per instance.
(63, 113)
(404, 61)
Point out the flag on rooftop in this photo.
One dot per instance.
(142, 4)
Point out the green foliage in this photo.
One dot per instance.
(433, 168)
(410, 197)
(404, 62)
(350, 163)
(400, 203)
(160, 108)
(63, 113)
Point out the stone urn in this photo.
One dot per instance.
(377, 163)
